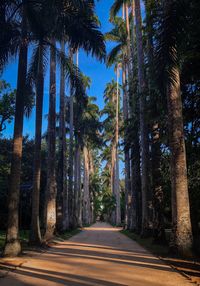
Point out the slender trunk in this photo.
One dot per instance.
(158, 218)
(50, 199)
(35, 235)
(12, 245)
(91, 173)
(62, 195)
(112, 180)
(76, 182)
(71, 152)
(126, 149)
(76, 171)
(117, 187)
(182, 226)
(71, 149)
(143, 126)
(80, 199)
(86, 195)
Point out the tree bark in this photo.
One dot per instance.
(117, 187)
(182, 223)
(12, 245)
(126, 149)
(143, 126)
(71, 159)
(35, 235)
(79, 190)
(86, 195)
(50, 198)
(62, 195)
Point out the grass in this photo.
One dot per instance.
(159, 250)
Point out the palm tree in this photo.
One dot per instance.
(120, 54)
(156, 115)
(117, 190)
(111, 95)
(80, 108)
(62, 193)
(143, 125)
(71, 154)
(89, 129)
(50, 199)
(12, 246)
(35, 235)
(168, 54)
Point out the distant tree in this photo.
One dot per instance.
(7, 104)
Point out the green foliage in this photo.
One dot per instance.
(7, 104)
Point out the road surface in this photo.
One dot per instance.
(99, 255)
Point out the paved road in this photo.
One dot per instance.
(99, 255)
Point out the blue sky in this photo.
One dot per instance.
(97, 71)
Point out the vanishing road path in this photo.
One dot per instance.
(99, 255)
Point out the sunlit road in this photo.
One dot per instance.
(99, 255)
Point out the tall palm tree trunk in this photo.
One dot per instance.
(86, 195)
(180, 199)
(50, 196)
(79, 191)
(117, 187)
(76, 182)
(35, 234)
(143, 126)
(126, 100)
(12, 245)
(62, 192)
(112, 180)
(71, 155)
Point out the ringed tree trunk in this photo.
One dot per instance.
(112, 180)
(143, 126)
(62, 194)
(35, 234)
(182, 229)
(126, 152)
(79, 190)
(126, 62)
(117, 187)
(129, 96)
(91, 174)
(50, 198)
(76, 182)
(86, 194)
(71, 160)
(76, 168)
(12, 245)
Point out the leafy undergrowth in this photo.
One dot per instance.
(188, 267)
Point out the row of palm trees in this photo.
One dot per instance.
(150, 63)
(36, 27)
(148, 58)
